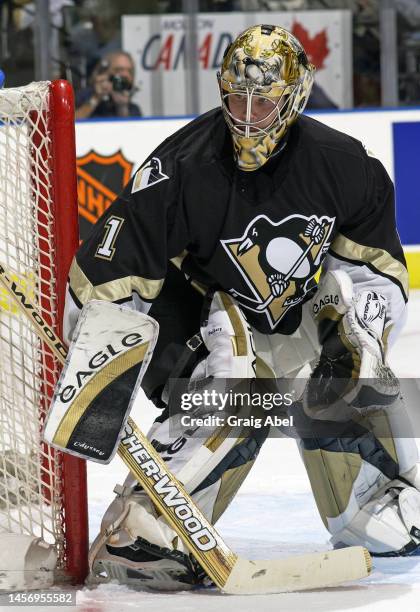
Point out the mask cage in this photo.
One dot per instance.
(282, 108)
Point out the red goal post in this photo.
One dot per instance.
(42, 492)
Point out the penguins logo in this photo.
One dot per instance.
(278, 261)
(148, 175)
(261, 72)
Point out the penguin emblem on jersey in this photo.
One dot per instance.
(278, 261)
(148, 175)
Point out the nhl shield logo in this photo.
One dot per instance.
(100, 178)
(278, 261)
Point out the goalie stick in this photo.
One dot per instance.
(231, 573)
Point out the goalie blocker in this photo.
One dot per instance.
(111, 350)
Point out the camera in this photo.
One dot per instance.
(120, 83)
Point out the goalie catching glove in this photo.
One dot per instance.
(352, 372)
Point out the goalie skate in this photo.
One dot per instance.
(146, 566)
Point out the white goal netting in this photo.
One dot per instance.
(30, 472)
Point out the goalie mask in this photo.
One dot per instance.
(265, 82)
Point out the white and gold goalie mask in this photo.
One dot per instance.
(265, 81)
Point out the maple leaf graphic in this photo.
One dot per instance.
(316, 47)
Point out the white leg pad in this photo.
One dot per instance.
(387, 524)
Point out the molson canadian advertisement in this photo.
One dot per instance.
(158, 45)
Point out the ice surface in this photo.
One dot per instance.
(274, 515)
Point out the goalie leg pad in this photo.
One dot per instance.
(349, 477)
(353, 387)
(134, 538)
(212, 466)
(388, 525)
(345, 473)
(228, 339)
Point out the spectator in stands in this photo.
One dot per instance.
(111, 89)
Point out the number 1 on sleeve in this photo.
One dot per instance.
(106, 250)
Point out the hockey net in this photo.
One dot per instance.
(42, 492)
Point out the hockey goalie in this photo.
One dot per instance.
(218, 237)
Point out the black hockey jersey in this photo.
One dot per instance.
(261, 236)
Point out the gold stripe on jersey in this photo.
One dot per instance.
(381, 260)
(177, 262)
(112, 291)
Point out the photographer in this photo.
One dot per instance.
(111, 89)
